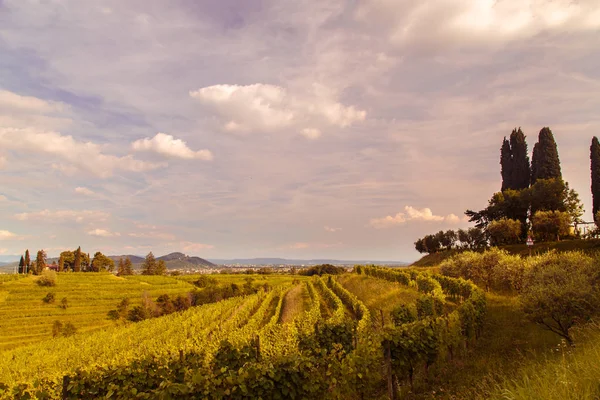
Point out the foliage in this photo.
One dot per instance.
(125, 268)
(49, 298)
(40, 262)
(323, 269)
(560, 291)
(151, 267)
(100, 263)
(474, 238)
(64, 303)
(48, 278)
(595, 167)
(514, 161)
(545, 163)
(504, 231)
(551, 225)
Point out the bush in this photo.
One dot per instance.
(48, 278)
(504, 231)
(60, 329)
(561, 291)
(551, 225)
(323, 269)
(64, 303)
(49, 298)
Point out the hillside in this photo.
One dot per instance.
(587, 246)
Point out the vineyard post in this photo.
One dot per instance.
(65, 388)
(388, 361)
(257, 348)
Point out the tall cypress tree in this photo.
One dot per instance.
(595, 159)
(77, 261)
(506, 165)
(520, 170)
(22, 265)
(545, 163)
(27, 261)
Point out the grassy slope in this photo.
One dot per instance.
(25, 318)
(591, 245)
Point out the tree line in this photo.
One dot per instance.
(533, 198)
(79, 261)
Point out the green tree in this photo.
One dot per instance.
(520, 170)
(149, 265)
(595, 161)
(506, 165)
(161, 268)
(561, 291)
(100, 262)
(22, 265)
(504, 231)
(40, 262)
(545, 163)
(551, 225)
(77, 260)
(68, 259)
(27, 261)
(125, 267)
(61, 263)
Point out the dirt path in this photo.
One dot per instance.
(294, 303)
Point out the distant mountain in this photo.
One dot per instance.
(285, 261)
(134, 259)
(4, 259)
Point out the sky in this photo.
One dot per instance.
(299, 129)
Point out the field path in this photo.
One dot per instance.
(294, 303)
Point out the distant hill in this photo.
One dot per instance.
(180, 260)
(285, 261)
(134, 259)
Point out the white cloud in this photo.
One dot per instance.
(191, 247)
(70, 154)
(153, 235)
(311, 133)
(167, 145)
(13, 101)
(64, 216)
(25, 111)
(5, 235)
(84, 191)
(411, 214)
(264, 107)
(103, 233)
(2, 162)
(330, 229)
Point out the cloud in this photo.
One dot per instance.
(265, 107)
(311, 133)
(307, 245)
(192, 247)
(84, 191)
(103, 233)
(168, 146)
(64, 216)
(5, 235)
(2, 162)
(3, 198)
(153, 235)
(14, 101)
(411, 214)
(71, 155)
(329, 229)
(27, 111)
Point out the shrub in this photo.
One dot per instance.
(48, 278)
(551, 225)
(504, 231)
(205, 281)
(404, 314)
(49, 298)
(64, 303)
(323, 269)
(561, 291)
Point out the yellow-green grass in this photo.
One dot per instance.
(378, 294)
(296, 301)
(240, 279)
(25, 318)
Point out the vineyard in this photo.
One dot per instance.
(297, 337)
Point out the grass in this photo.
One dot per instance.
(378, 294)
(25, 318)
(295, 302)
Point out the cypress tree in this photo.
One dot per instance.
(506, 165)
(545, 163)
(27, 261)
(520, 170)
(61, 263)
(22, 265)
(595, 159)
(77, 261)
(149, 265)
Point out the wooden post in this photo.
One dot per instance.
(257, 348)
(388, 361)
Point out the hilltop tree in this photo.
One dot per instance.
(149, 265)
(61, 263)
(102, 263)
(27, 261)
(595, 159)
(22, 265)
(77, 260)
(40, 262)
(545, 163)
(520, 170)
(506, 165)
